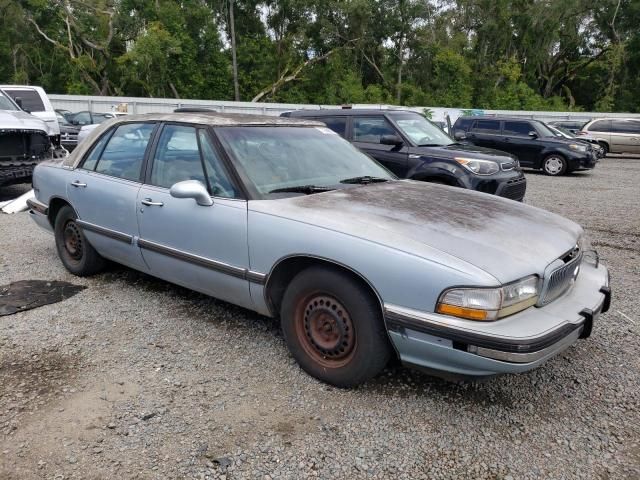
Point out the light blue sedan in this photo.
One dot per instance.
(286, 218)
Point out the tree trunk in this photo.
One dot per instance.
(232, 28)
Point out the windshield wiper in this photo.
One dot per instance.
(365, 179)
(430, 145)
(306, 189)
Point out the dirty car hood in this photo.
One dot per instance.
(505, 238)
(15, 120)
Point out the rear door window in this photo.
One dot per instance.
(124, 153)
(487, 126)
(626, 126)
(519, 129)
(31, 101)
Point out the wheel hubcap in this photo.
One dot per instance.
(73, 240)
(325, 330)
(553, 165)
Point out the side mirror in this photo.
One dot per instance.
(192, 189)
(391, 140)
(533, 134)
(18, 101)
(459, 135)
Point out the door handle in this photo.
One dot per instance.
(77, 184)
(149, 202)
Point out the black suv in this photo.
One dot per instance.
(530, 140)
(412, 147)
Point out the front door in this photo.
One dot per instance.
(104, 189)
(366, 134)
(625, 136)
(200, 247)
(515, 139)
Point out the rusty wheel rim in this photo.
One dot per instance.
(325, 330)
(73, 240)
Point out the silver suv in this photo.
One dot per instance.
(616, 135)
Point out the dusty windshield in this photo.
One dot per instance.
(421, 131)
(276, 158)
(6, 104)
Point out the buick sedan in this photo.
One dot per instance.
(284, 217)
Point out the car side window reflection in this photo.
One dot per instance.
(124, 153)
(177, 157)
(219, 179)
(92, 159)
(371, 129)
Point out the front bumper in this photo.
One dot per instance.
(508, 184)
(514, 344)
(583, 161)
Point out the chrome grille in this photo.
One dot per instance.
(561, 279)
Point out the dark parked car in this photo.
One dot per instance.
(572, 125)
(89, 118)
(412, 147)
(68, 132)
(530, 140)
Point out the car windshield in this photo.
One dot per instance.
(6, 104)
(566, 132)
(545, 131)
(276, 158)
(421, 131)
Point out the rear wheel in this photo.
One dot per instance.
(554, 165)
(76, 254)
(333, 327)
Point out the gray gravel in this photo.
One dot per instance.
(137, 378)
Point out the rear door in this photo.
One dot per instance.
(484, 133)
(104, 190)
(367, 132)
(625, 136)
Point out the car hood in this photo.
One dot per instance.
(506, 239)
(464, 150)
(16, 120)
(559, 140)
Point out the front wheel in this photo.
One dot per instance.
(76, 254)
(333, 327)
(554, 165)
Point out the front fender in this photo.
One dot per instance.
(438, 169)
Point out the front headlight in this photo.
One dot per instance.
(579, 148)
(486, 304)
(479, 167)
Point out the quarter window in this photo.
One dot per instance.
(600, 126)
(626, 126)
(371, 129)
(124, 153)
(487, 126)
(520, 129)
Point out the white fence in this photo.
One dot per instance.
(77, 103)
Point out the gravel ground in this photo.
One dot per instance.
(137, 378)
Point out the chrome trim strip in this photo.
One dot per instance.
(222, 267)
(530, 356)
(38, 206)
(107, 232)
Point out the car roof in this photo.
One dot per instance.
(213, 119)
(497, 117)
(345, 112)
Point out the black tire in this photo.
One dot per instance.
(554, 165)
(334, 328)
(75, 252)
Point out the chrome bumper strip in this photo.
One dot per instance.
(239, 272)
(107, 232)
(38, 206)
